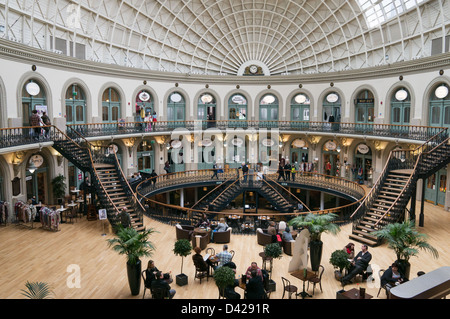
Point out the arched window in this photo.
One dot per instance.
(400, 107)
(110, 106)
(176, 108)
(268, 110)
(144, 105)
(363, 162)
(237, 111)
(75, 105)
(206, 106)
(440, 106)
(33, 98)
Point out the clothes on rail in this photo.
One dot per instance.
(24, 212)
(3, 212)
(50, 219)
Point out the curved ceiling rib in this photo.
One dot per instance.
(221, 36)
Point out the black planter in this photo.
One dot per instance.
(181, 279)
(315, 252)
(134, 277)
(404, 267)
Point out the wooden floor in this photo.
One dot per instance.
(53, 257)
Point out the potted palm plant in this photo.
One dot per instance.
(59, 188)
(316, 224)
(182, 248)
(224, 277)
(37, 290)
(406, 242)
(339, 260)
(134, 245)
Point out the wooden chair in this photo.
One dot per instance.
(200, 272)
(380, 274)
(232, 254)
(144, 275)
(317, 279)
(287, 287)
(210, 251)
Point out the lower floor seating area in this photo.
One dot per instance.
(58, 257)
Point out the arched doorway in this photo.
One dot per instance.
(75, 105)
(36, 177)
(146, 156)
(401, 107)
(176, 110)
(300, 105)
(110, 106)
(33, 98)
(331, 158)
(436, 187)
(206, 109)
(237, 111)
(299, 152)
(364, 109)
(331, 106)
(363, 161)
(144, 105)
(268, 111)
(440, 106)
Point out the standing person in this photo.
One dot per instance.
(154, 120)
(245, 171)
(294, 170)
(148, 122)
(167, 168)
(281, 171)
(359, 264)
(153, 176)
(46, 121)
(287, 170)
(35, 120)
(215, 171)
(328, 168)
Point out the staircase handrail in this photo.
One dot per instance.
(211, 191)
(290, 193)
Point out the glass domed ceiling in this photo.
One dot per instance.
(226, 37)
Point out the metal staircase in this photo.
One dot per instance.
(110, 185)
(388, 199)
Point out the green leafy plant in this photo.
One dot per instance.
(182, 248)
(339, 260)
(273, 250)
(132, 243)
(317, 224)
(59, 186)
(405, 240)
(37, 290)
(224, 277)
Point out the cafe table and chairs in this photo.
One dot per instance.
(304, 275)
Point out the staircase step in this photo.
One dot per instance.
(364, 233)
(364, 240)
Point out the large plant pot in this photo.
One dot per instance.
(338, 275)
(315, 252)
(404, 267)
(134, 277)
(181, 279)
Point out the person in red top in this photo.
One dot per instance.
(350, 250)
(254, 266)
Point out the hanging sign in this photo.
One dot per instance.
(363, 148)
(330, 145)
(102, 214)
(298, 143)
(401, 95)
(237, 141)
(267, 142)
(332, 97)
(37, 160)
(144, 96)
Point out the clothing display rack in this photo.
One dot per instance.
(3, 212)
(25, 214)
(50, 219)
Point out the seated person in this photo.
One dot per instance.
(350, 250)
(359, 264)
(255, 287)
(271, 230)
(287, 236)
(253, 267)
(150, 273)
(392, 277)
(199, 262)
(224, 256)
(221, 227)
(160, 283)
(203, 222)
(281, 226)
